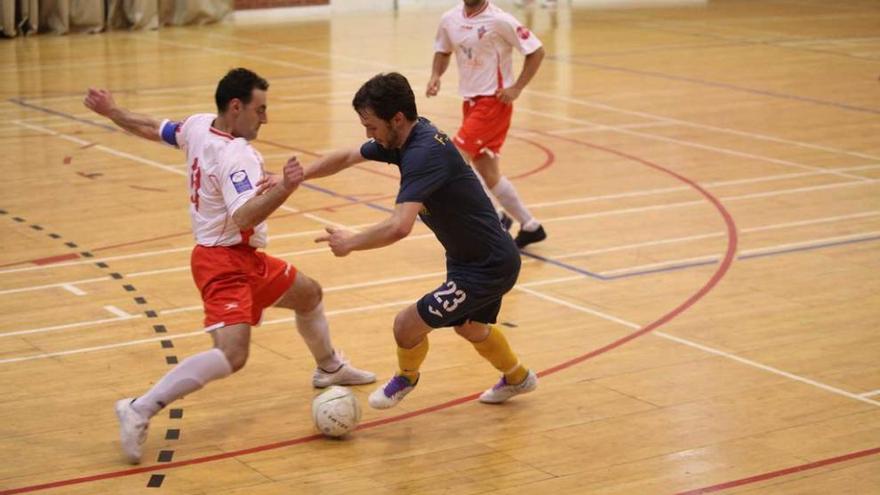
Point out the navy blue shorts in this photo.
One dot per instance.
(466, 296)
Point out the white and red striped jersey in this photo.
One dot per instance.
(222, 174)
(483, 44)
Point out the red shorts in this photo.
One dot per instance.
(238, 282)
(485, 125)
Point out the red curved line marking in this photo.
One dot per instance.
(548, 162)
(782, 472)
(716, 277)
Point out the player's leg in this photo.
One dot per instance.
(490, 342)
(411, 336)
(230, 353)
(304, 296)
(480, 137)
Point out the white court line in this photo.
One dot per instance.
(674, 240)
(185, 335)
(701, 347)
(73, 289)
(686, 143)
(649, 192)
(871, 393)
(747, 252)
(118, 312)
(171, 337)
(777, 192)
(67, 326)
(168, 270)
(762, 137)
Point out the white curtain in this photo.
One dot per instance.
(91, 16)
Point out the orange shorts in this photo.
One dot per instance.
(485, 125)
(238, 282)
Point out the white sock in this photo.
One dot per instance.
(190, 375)
(315, 331)
(509, 199)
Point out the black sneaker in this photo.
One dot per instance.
(506, 221)
(524, 237)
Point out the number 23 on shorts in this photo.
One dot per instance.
(449, 298)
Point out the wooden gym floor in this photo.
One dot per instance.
(704, 313)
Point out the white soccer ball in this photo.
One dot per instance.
(336, 411)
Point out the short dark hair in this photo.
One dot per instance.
(238, 83)
(385, 95)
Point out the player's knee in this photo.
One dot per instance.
(403, 334)
(473, 332)
(236, 354)
(238, 359)
(308, 297)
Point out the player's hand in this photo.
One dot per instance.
(99, 101)
(292, 175)
(507, 95)
(337, 239)
(433, 86)
(268, 181)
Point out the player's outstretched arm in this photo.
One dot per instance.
(333, 162)
(101, 102)
(257, 209)
(393, 229)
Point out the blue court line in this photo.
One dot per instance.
(743, 257)
(716, 84)
(68, 116)
(385, 209)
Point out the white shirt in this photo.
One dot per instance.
(483, 45)
(222, 173)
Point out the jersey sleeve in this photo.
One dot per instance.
(422, 173)
(442, 43)
(371, 150)
(241, 168)
(516, 34)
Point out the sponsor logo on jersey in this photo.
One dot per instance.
(523, 32)
(240, 181)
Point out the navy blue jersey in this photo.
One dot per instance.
(456, 208)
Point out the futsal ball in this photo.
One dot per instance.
(336, 411)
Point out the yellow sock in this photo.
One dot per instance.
(497, 351)
(410, 360)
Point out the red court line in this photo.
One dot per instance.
(782, 472)
(70, 256)
(54, 259)
(722, 269)
(548, 161)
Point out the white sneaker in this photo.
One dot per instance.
(346, 374)
(503, 391)
(390, 394)
(132, 430)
